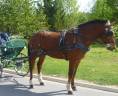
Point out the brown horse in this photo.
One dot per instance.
(71, 45)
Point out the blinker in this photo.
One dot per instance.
(109, 33)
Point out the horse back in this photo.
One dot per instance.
(45, 40)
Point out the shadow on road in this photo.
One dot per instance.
(14, 88)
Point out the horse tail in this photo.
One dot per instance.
(29, 52)
(29, 56)
(30, 65)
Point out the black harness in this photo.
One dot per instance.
(76, 45)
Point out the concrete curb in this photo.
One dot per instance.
(80, 83)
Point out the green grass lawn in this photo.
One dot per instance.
(99, 66)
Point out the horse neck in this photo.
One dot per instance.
(87, 41)
(90, 35)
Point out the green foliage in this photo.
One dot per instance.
(61, 14)
(83, 17)
(115, 29)
(101, 10)
(71, 13)
(19, 17)
(49, 10)
(114, 5)
(27, 16)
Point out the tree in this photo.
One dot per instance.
(114, 6)
(20, 17)
(69, 13)
(61, 14)
(49, 10)
(101, 10)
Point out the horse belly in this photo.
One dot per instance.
(58, 55)
(68, 55)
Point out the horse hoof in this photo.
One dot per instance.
(31, 86)
(74, 88)
(42, 84)
(70, 92)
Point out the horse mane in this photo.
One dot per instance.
(93, 22)
(77, 27)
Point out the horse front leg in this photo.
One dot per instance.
(73, 78)
(39, 66)
(72, 65)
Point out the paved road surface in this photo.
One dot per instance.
(13, 85)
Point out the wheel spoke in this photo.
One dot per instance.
(21, 67)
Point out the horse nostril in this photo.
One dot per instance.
(111, 48)
(108, 45)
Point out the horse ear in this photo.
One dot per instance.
(108, 23)
(112, 23)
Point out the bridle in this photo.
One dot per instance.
(108, 33)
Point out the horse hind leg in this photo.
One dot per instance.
(39, 67)
(31, 67)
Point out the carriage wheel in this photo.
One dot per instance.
(1, 70)
(22, 65)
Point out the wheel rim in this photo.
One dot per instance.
(22, 67)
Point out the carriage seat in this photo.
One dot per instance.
(4, 37)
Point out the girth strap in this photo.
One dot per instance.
(62, 41)
(80, 46)
(65, 47)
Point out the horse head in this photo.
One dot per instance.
(98, 30)
(107, 36)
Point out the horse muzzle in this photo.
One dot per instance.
(110, 47)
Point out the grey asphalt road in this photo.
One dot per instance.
(13, 85)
